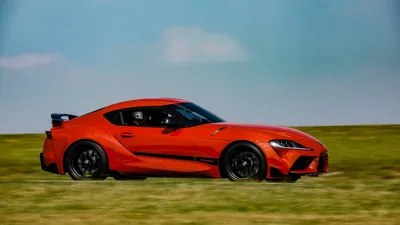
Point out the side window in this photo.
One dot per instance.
(147, 117)
(113, 117)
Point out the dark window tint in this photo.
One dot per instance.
(146, 117)
(195, 115)
(113, 117)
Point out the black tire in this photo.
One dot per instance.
(86, 156)
(251, 159)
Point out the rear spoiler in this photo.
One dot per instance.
(57, 118)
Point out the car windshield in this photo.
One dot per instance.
(194, 114)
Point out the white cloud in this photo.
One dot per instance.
(27, 61)
(194, 44)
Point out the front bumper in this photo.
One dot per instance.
(303, 165)
(51, 168)
(295, 162)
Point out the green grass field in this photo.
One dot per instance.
(363, 187)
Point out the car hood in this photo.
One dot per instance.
(270, 130)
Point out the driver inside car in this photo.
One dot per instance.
(139, 118)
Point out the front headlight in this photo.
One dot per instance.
(287, 144)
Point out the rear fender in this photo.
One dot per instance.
(65, 143)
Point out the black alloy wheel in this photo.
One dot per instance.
(86, 161)
(245, 161)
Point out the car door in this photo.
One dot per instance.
(144, 134)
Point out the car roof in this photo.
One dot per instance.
(144, 102)
(128, 104)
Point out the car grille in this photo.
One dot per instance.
(323, 162)
(302, 163)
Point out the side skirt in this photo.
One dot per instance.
(210, 161)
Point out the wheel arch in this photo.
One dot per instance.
(225, 150)
(64, 156)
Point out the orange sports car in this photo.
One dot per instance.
(171, 137)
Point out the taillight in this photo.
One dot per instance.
(48, 134)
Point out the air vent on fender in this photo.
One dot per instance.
(217, 130)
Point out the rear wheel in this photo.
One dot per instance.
(244, 161)
(86, 160)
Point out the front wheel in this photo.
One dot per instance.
(245, 161)
(86, 161)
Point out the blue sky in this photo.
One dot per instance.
(305, 62)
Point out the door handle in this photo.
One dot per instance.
(126, 135)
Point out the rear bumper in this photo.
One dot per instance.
(51, 168)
